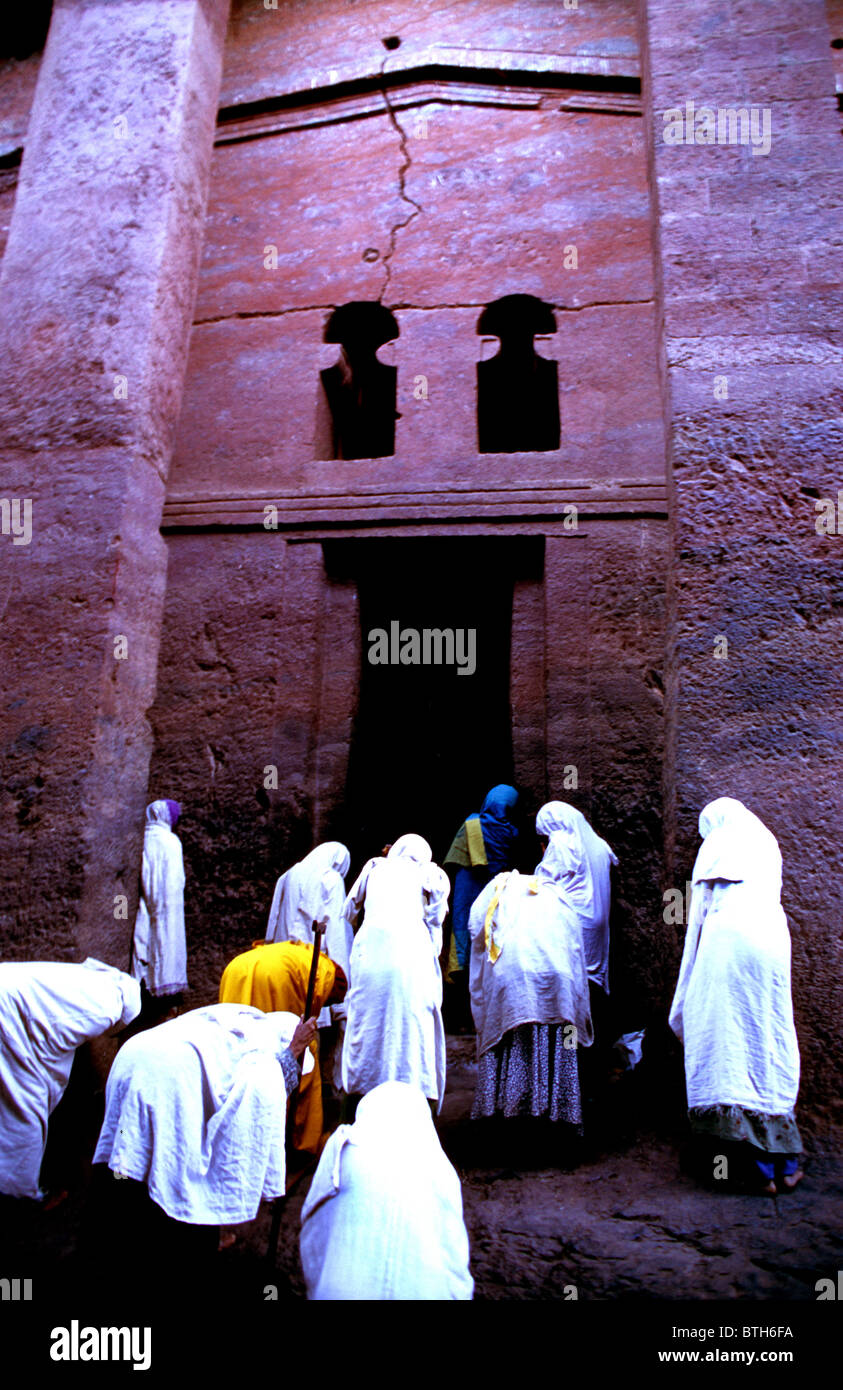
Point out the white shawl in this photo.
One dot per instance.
(539, 975)
(586, 881)
(314, 891)
(395, 1030)
(732, 1008)
(46, 1010)
(196, 1109)
(383, 1218)
(159, 951)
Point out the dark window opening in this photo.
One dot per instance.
(517, 391)
(359, 391)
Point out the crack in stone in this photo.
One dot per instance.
(700, 1243)
(263, 313)
(415, 308)
(402, 187)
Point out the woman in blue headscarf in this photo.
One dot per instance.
(483, 846)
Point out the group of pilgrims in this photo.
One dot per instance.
(212, 1111)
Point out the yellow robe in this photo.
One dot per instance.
(273, 976)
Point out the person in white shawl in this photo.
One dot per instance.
(394, 1030)
(314, 891)
(732, 1008)
(195, 1109)
(47, 1009)
(159, 949)
(383, 1219)
(587, 881)
(529, 994)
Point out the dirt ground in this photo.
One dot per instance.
(621, 1220)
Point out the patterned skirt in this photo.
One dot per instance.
(530, 1073)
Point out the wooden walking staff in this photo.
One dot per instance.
(278, 1204)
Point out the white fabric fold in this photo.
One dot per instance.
(383, 1219)
(196, 1109)
(159, 948)
(394, 1030)
(732, 1008)
(540, 974)
(585, 881)
(47, 1009)
(314, 891)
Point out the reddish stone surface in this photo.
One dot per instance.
(764, 724)
(482, 225)
(306, 43)
(97, 280)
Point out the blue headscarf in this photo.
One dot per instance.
(499, 833)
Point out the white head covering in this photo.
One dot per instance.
(737, 846)
(158, 813)
(306, 894)
(129, 988)
(383, 1217)
(580, 865)
(411, 847)
(732, 1008)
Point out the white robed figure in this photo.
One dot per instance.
(383, 1219)
(587, 881)
(159, 948)
(732, 1009)
(314, 891)
(47, 1009)
(529, 993)
(196, 1109)
(394, 1030)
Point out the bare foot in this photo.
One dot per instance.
(769, 1189)
(227, 1239)
(792, 1180)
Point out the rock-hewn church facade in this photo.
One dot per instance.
(514, 319)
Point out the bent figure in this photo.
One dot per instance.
(529, 994)
(732, 1009)
(159, 949)
(314, 891)
(395, 1030)
(196, 1109)
(383, 1218)
(47, 1009)
(484, 845)
(273, 976)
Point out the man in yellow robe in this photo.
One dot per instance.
(273, 976)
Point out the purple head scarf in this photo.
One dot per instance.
(175, 811)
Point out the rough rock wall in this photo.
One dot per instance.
(749, 273)
(97, 289)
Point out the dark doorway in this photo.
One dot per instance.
(428, 742)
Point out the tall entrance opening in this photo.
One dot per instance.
(433, 727)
